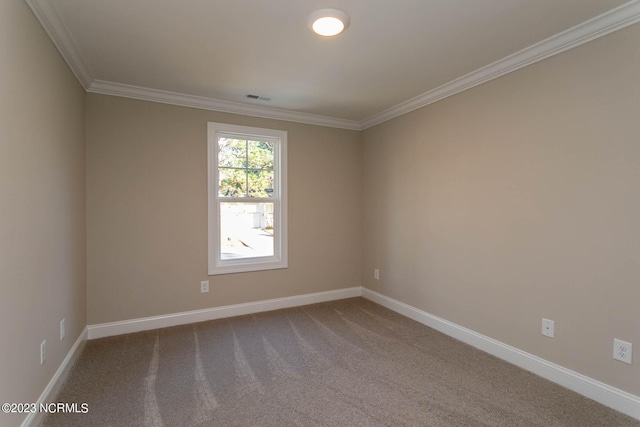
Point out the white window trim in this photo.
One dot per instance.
(280, 258)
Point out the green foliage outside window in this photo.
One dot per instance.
(245, 168)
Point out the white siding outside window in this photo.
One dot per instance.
(247, 192)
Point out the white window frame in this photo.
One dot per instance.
(279, 198)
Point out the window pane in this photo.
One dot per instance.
(246, 230)
(232, 183)
(232, 153)
(260, 183)
(260, 155)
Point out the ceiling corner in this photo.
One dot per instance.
(59, 35)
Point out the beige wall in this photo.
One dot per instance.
(516, 200)
(147, 211)
(512, 201)
(42, 202)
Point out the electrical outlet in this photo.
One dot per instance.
(43, 351)
(204, 286)
(376, 274)
(62, 331)
(622, 351)
(548, 328)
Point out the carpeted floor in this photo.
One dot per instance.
(342, 363)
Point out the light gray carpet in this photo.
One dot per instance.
(342, 363)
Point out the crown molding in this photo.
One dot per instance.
(59, 35)
(608, 22)
(175, 98)
(46, 13)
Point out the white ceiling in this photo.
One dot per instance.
(394, 57)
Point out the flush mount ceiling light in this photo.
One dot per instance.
(328, 22)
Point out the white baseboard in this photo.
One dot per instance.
(612, 397)
(148, 323)
(52, 389)
(619, 400)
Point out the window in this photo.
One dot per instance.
(247, 198)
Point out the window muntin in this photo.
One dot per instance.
(245, 167)
(247, 199)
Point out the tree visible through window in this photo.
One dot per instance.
(247, 199)
(246, 167)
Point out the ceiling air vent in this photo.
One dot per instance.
(258, 97)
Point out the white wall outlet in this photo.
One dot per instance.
(622, 351)
(376, 274)
(62, 331)
(548, 328)
(204, 286)
(43, 351)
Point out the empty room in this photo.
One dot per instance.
(310, 213)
